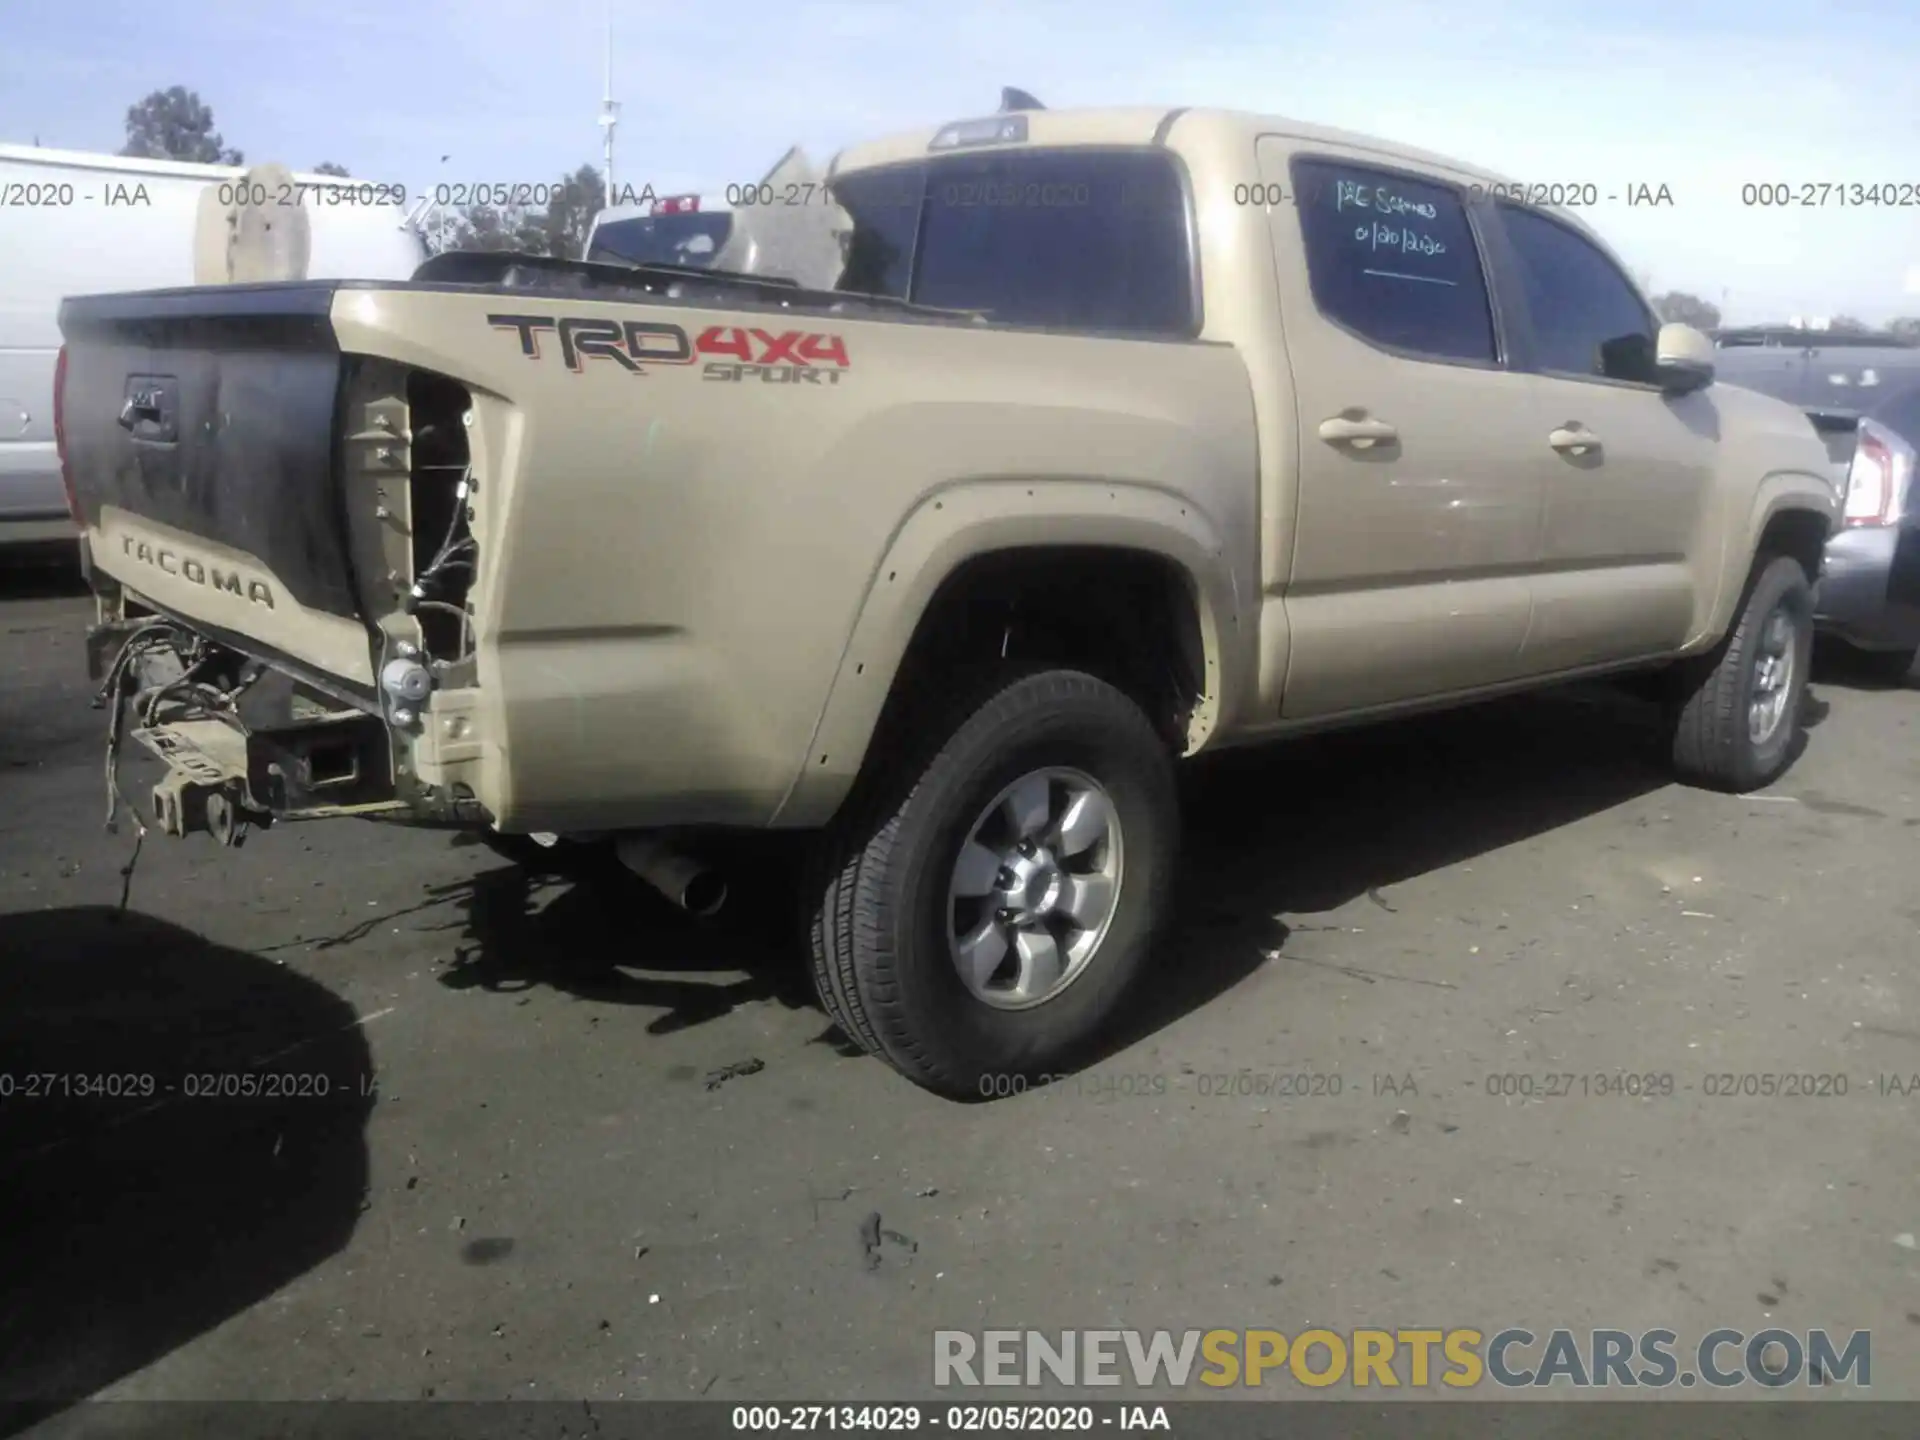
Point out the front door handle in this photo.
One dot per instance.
(1346, 430)
(1574, 439)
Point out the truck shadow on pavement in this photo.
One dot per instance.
(1272, 833)
(1280, 832)
(137, 1223)
(588, 930)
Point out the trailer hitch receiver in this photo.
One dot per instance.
(185, 806)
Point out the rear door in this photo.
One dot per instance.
(1419, 502)
(1625, 467)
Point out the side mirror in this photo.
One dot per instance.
(1683, 359)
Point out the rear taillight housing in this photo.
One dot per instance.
(677, 205)
(1879, 478)
(60, 431)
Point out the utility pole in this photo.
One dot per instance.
(609, 108)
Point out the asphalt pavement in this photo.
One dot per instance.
(545, 1140)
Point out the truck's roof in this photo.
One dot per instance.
(1196, 125)
(1140, 125)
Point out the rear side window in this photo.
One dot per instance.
(1067, 239)
(1394, 260)
(1587, 320)
(885, 207)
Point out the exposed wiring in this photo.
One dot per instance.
(195, 655)
(456, 552)
(466, 619)
(447, 545)
(150, 636)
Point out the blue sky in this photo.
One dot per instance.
(1700, 97)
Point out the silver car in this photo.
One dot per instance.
(1862, 392)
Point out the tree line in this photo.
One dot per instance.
(176, 124)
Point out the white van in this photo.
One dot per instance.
(76, 223)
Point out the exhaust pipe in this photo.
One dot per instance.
(689, 883)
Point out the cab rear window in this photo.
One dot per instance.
(1071, 240)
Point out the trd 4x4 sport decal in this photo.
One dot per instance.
(793, 357)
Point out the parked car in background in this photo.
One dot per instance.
(76, 223)
(686, 230)
(786, 226)
(1862, 392)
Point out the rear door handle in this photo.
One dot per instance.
(1344, 430)
(1574, 439)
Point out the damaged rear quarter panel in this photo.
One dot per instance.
(675, 564)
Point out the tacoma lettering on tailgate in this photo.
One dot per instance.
(791, 357)
(198, 572)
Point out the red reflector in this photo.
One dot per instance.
(60, 431)
(676, 205)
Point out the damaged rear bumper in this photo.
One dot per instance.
(287, 754)
(221, 777)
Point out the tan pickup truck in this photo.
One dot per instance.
(1126, 434)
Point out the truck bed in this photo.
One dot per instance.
(627, 520)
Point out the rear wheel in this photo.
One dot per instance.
(992, 891)
(1737, 722)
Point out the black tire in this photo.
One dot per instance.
(1712, 744)
(879, 922)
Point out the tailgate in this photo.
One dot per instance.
(201, 428)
